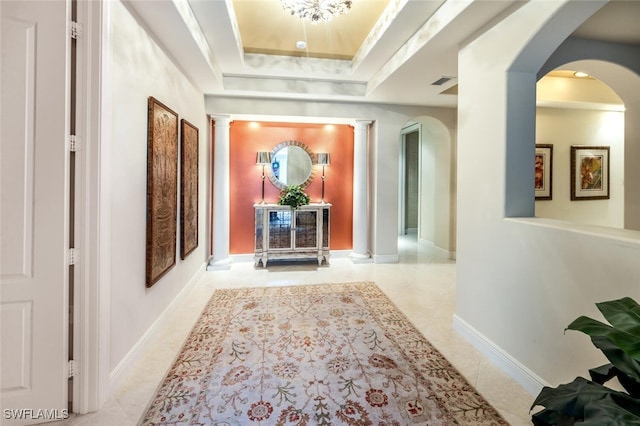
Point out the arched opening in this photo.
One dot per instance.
(579, 124)
(410, 171)
(618, 129)
(426, 203)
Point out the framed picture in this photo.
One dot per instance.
(162, 190)
(543, 171)
(188, 188)
(589, 172)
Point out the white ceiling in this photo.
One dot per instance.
(413, 44)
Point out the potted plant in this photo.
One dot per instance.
(588, 402)
(293, 196)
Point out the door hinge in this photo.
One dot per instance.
(72, 368)
(76, 30)
(73, 143)
(72, 256)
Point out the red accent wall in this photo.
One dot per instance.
(246, 138)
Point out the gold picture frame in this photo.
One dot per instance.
(589, 172)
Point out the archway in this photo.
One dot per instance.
(623, 78)
(582, 112)
(431, 177)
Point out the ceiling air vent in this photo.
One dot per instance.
(441, 81)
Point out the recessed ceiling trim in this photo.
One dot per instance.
(292, 85)
(382, 25)
(444, 16)
(328, 69)
(292, 119)
(190, 21)
(234, 26)
(297, 53)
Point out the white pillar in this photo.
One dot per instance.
(220, 257)
(360, 215)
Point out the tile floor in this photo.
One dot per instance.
(422, 285)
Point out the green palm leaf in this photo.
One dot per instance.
(590, 403)
(586, 402)
(626, 331)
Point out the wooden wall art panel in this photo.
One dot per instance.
(162, 190)
(188, 189)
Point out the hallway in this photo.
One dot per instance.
(419, 272)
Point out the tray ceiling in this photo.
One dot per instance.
(387, 51)
(338, 39)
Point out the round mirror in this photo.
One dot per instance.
(291, 164)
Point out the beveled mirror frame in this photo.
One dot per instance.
(277, 183)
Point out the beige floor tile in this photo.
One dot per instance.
(421, 285)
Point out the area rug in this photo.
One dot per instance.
(327, 354)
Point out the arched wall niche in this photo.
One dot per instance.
(618, 66)
(618, 131)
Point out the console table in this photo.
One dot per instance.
(283, 233)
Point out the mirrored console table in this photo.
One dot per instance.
(283, 233)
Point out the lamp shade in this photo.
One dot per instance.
(263, 157)
(323, 159)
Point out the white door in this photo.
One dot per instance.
(34, 210)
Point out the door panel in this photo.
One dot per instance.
(34, 210)
(412, 155)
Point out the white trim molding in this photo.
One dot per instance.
(529, 380)
(386, 258)
(93, 213)
(451, 255)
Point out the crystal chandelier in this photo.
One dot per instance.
(316, 10)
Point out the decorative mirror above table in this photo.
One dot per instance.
(291, 164)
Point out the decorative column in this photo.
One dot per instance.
(360, 252)
(220, 258)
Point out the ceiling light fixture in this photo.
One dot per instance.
(316, 10)
(581, 74)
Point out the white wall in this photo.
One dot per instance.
(141, 69)
(520, 282)
(383, 149)
(565, 127)
(437, 222)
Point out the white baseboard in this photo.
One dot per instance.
(242, 258)
(446, 253)
(340, 254)
(386, 258)
(130, 359)
(530, 381)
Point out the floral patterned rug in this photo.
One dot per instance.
(327, 354)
